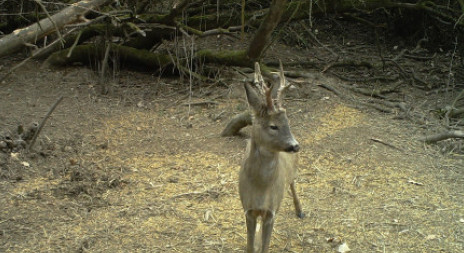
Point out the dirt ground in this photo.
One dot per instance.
(141, 171)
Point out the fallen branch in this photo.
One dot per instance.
(201, 103)
(16, 40)
(380, 108)
(39, 51)
(218, 31)
(43, 123)
(385, 143)
(365, 91)
(443, 136)
(347, 63)
(366, 79)
(330, 88)
(57, 29)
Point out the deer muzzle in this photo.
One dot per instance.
(293, 148)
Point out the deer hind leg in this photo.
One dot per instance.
(296, 202)
(251, 218)
(268, 224)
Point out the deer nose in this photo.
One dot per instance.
(293, 148)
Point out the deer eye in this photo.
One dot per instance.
(274, 127)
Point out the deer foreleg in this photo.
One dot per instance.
(251, 218)
(296, 201)
(268, 224)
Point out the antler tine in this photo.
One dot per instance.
(262, 87)
(283, 85)
(258, 81)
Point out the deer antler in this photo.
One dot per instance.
(262, 87)
(283, 85)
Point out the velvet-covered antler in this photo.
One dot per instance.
(283, 85)
(263, 88)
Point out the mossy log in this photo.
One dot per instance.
(84, 35)
(225, 57)
(128, 57)
(151, 38)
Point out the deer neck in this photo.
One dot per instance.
(262, 163)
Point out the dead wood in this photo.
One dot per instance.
(42, 123)
(385, 143)
(345, 63)
(375, 92)
(366, 79)
(225, 57)
(443, 136)
(456, 112)
(332, 89)
(15, 40)
(128, 56)
(379, 104)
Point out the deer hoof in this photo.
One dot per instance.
(300, 215)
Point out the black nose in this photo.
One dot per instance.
(293, 148)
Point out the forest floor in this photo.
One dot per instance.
(139, 170)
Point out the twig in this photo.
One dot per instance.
(339, 94)
(206, 193)
(43, 122)
(201, 103)
(401, 54)
(410, 181)
(311, 34)
(375, 92)
(103, 83)
(330, 88)
(366, 79)
(353, 63)
(379, 49)
(39, 2)
(34, 54)
(278, 35)
(74, 44)
(385, 143)
(450, 71)
(420, 58)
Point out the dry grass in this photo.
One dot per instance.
(150, 179)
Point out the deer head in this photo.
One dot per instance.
(270, 123)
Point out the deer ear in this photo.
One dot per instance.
(254, 100)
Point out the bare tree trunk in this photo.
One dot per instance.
(15, 41)
(264, 32)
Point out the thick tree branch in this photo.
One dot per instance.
(443, 136)
(16, 40)
(264, 32)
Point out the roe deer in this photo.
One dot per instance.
(269, 163)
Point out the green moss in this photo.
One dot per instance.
(226, 57)
(128, 57)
